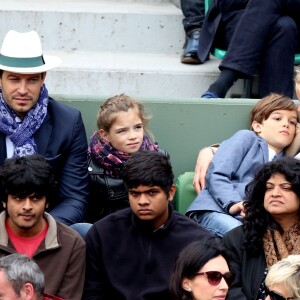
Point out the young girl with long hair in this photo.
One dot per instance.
(122, 130)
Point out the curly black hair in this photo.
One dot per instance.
(257, 219)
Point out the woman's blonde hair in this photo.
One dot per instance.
(109, 109)
(286, 272)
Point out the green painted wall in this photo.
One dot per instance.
(181, 126)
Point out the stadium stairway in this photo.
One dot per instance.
(110, 47)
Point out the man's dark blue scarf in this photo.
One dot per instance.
(20, 132)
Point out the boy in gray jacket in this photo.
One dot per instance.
(219, 206)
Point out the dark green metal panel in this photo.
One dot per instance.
(181, 126)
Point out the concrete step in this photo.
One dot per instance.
(139, 75)
(111, 47)
(98, 25)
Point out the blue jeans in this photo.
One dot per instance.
(81, 228)
(217, 223)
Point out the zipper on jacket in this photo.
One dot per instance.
(148, 261)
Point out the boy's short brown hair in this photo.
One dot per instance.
(263, 108)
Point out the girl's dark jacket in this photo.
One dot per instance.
(106, 194)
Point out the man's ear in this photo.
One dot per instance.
(172, 192)
(4, 204)
(27, 291)
(256, 126)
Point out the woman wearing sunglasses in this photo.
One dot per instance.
(201, 272)
(271, 228)
(283, 279)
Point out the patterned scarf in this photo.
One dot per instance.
(110, 158)
(21, 132)
(276, 248)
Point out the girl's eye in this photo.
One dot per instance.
(121, 131)
(138, 127)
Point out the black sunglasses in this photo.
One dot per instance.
(275, 296)
(215, 277)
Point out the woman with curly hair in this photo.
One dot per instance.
(271, 228)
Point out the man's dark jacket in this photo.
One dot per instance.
(61, 139)
(127, 260)
(220, 12)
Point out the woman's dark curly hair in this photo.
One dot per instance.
(257, 219)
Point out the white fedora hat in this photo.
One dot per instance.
(22, 53)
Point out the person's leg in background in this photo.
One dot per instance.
(293, 10)
(277, 63)
(81, 228)
(249, 40)
(231, 15)
(217, 223)
(194, 13)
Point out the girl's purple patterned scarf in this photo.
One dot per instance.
(110, 158)
(21, 132)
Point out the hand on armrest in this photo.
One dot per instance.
(204, 159)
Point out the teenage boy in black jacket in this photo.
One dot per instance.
(130, 253)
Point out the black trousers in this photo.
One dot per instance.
(194, 13)
(265, 39)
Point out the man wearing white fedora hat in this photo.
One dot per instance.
(32, 122)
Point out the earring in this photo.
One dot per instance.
(189, 290)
